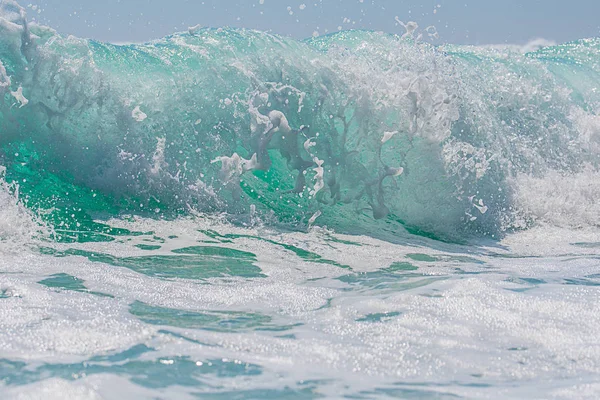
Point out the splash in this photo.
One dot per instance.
(18, 225)
(370, 132)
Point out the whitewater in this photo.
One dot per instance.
(233, 214)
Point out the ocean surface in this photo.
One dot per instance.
(231, 214)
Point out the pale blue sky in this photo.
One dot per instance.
(458, 21)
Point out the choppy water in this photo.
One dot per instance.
(232, 214)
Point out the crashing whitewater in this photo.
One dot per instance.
(232, 214)
(358, 131)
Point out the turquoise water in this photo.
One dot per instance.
(358, 131)
(232, 214)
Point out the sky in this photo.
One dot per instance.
(456, 21)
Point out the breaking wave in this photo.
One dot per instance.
(359, 131)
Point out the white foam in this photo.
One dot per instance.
(387, 136)
(531, 46)
(18, 95)
(4, 78)
(158, 157)
(18, 225)
(279, 121)
(319, 177)
(232, 168)
(53, 389)
(560, 199)
(496, 332)
(314, 218)
(138, 115)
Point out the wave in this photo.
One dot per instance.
(18, 225)
(360, 131)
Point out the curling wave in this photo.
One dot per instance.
(360, 131)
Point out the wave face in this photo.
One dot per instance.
(359, 131)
